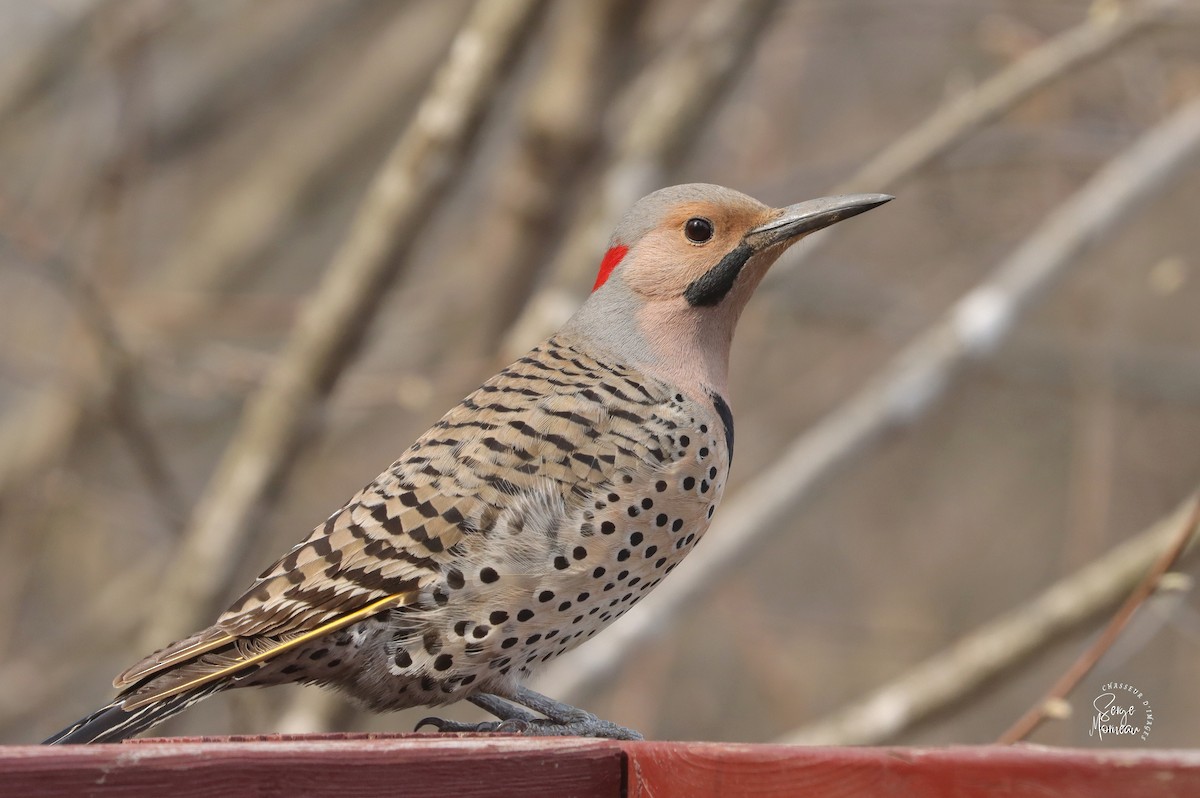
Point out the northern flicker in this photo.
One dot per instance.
(531, 516)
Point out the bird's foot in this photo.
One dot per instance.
(584, 725)
(510, 726)
(561, 720)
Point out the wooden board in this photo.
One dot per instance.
(358, 766)
(706, 770)
(425, 766)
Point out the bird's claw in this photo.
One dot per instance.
(513, 726)
(586, 725)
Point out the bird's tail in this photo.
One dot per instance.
(113, 723)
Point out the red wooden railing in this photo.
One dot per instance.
(349, 766)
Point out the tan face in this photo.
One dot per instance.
(690, 239)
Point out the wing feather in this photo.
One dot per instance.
(247, 653)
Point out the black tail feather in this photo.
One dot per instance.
(113, 723)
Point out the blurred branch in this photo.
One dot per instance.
(671, 100)
(537, 187)
(117, 388)
(245, 219)
(232, 232)
(418, 171)
(31, 70)
(901, 392)
(274, 42)
(964, 114)
(1027, 723)
(949, 124)
(1004, 644)
(34, 681)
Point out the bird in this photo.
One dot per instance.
(531, 516)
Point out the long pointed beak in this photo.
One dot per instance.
(806, 217)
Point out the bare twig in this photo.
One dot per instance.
(1055, 60)
(118, 391)
(998, 646)
(239, 225)
(1028, 722)
(31, 682)
(902, 391)
(415, 174)
(961, 116)
(538, 185)
(28, 72)
(231, 233)
(673, 97)
(274, 42)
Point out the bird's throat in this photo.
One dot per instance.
(688, 346)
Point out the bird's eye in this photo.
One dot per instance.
(698, 229)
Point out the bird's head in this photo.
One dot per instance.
(682, 264)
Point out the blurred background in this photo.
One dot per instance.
(184, 186)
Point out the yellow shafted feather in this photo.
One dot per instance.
(388, 602)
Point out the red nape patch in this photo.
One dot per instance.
(611, 259)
